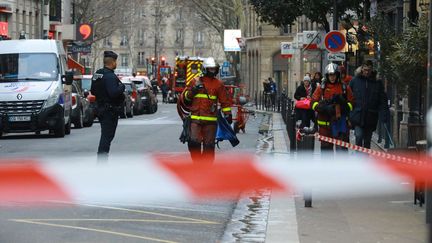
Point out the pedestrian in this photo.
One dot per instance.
(273, 91)
(266, 93)
(317, 78)
(202, 95)
(108, 90)
(332, 100)
(345, 77)
(304, 91)
(164, 88)
(370, 102)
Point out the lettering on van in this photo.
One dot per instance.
(97, 76)
(17, 87)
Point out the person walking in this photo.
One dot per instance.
(333, 101)
(164, 88)
(273, 91)
(108, 90)
(202, 95)
(317, 78)
(370, 102)
(303, 92)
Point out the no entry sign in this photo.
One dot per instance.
(335, 41)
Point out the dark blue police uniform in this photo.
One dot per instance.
(108, 90)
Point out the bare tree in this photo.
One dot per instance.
(220, 15)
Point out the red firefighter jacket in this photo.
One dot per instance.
(204, 104)
(327, 93)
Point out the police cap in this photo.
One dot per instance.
(110, 54)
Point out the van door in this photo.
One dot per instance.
(67, 90)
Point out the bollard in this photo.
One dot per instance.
(307, 145)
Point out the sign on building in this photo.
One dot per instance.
(230, 40)
(84, 32)
(311, 40)
(287, 49)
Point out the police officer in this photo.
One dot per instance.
(109, 97)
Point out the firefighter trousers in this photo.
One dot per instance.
(202, 141)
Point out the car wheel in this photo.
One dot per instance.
(68, 127)
(123, 113)
(60, 131)
(79, 122)
(155, 108)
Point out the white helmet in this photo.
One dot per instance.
(332, 68)
(209, 63)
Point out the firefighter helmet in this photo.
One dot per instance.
(332, 68)
(210, 63)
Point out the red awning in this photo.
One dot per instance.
(72, 64)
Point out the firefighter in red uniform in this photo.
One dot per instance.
(332, 100)
(202, 95)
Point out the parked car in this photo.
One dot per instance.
(86, 81)
(135, 94)
(148, 98)
(128, 105)
(81, 115)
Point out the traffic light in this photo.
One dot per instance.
(163, 61)
(153, 61)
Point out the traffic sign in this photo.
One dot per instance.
(337, 57)
(335, 41)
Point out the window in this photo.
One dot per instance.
(141, 58)
(286, 29)
(141, 36)
(199, 37)
(179, 35)
(124, 40)
(107, 42)
(142, 13)
(124, 58)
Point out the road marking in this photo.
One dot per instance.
(166, 207)
(95, 230)
(141, 212)
(115, 220)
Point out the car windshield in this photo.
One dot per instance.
(86, 83)
(28, 67)
(139, 84)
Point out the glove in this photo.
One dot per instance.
(228, 117)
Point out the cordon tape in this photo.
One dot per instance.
(151, 178)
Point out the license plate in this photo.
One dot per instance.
(19, 118)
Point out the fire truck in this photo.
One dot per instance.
(186, 69)
(164, 70)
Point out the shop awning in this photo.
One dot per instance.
(72, 64)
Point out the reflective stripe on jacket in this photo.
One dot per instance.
(204, 104)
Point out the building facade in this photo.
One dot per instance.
(160, 31)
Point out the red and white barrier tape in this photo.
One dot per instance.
(132, 179)
(375, 153)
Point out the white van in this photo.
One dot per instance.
(35, 88)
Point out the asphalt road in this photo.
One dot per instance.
(202, 221)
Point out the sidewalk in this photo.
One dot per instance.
(380, 219)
